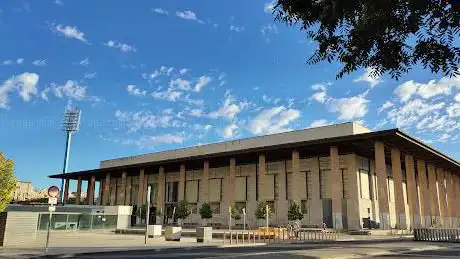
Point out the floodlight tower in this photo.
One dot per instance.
(70, 124)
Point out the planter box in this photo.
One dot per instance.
(154, 231)
(173, 233)
(203, 234)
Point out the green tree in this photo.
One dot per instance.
(386, 36)
(261, 210)
(182, 211)
(205, 211)
(234, 213)
(294, 211)
(7, 181)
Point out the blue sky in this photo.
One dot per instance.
(156, 75)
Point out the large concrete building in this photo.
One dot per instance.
(343, 175)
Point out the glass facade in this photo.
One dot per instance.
(72, 221)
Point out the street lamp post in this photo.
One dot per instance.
(70, 124)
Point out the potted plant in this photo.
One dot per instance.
(174, 233)
(204, 233)
(295, 214)
(261, 213)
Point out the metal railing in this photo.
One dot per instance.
(272, 235)
(437, 235)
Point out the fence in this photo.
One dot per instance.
(273, 235)
(437, 235)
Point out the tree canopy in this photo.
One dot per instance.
(387, 36)
(7, 181)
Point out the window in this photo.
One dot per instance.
(172, 191)
(345, 183)
(193, 208)
(308, 183)
(364, 184)
(324, 186)
(215, 190)
(191, 193)
(153, 192)
(215, 207)
(304, 206)
(241, 188)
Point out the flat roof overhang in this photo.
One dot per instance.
(360, 143)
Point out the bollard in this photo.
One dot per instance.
(231, 237)
(242, 238)
(237, 237)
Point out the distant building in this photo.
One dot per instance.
(23, 191)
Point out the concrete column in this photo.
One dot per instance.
(140, 193)
(144, 194)
(129, 187)
(442, 196)
(380, 169)
(336, 182)
(182, 182)
(450, 200)
(434, 199)
(106, 194)
(282, 205)
(161, 190)
(354, 221)
(261, 177)
(315, 209)
(101, 190)
(113, 191)
(414, 214)
(66, 190)
(78, 196)
(123, 189)
(296, 196)
(398, 185)
(232, 181)
(90, 192)
(424, 195)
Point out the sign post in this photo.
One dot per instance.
(267, 208)
(244, 219)
(149, 189)
(53, 194)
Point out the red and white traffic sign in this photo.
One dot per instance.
(53, 194)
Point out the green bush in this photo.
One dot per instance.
(260, 211)
(182, 211)
(205, 211)
(234, 213)
(294, 211)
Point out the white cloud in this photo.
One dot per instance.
(58, 2)
(385, 106)
(71, 32)
(228, 110)
(319, 123)
(230, 130)
(136, 121)
(152, 141)
(179, 83)
(121, 46)
(71, 89)
(19, 61)
(367, 77)
(7, 62)
(25, 84)
(168, 95)
(90, 75)
(163, 70)
(188, 15)
(183, 71)
(39, 62)
(349, 108)
(273, 120)
(320, 97)
(454, 110)
(133, 90)
(44, 93)
(202, 82)
(457, 97)
(236, 28)
(270, 28)
(433, 88)
(85, 62)
(268, 7)
(160, 11)
(413, 112)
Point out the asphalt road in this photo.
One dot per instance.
(288, 251)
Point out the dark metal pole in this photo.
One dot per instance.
(66, 162)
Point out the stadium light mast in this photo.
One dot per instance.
(70, 124)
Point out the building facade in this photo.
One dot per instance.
(343, 175)
(23, 192)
